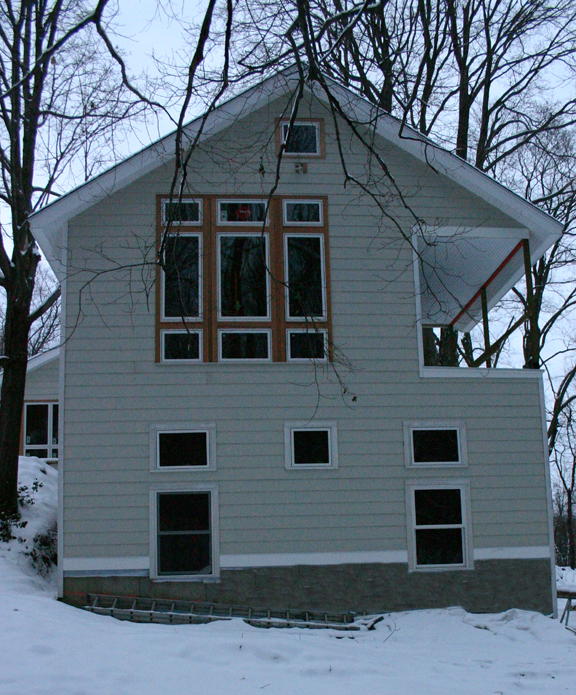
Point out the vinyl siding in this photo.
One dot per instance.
(114, 391)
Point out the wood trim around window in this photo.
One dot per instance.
(210, 324)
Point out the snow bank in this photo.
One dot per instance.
(39, 516)
(565, 579)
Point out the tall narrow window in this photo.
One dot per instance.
(243, 277)
(184, 533)
(305, 276)
(182, 283)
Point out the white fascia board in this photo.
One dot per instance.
(42, 359)
(477, 232)
(456, 169)
(48, 223)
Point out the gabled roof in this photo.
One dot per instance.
(484, 256)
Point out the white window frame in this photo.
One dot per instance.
(288, 201)
(299, 360)
(284, 127)
(302, 235)
(158, 428)
(156, 489)
(197, 331)
(187, 223)
(243, 319)
(245, 360)
(458, 425)
(315, 426)
(200, 316)
(48, 446)
(466, 525)
(254, 223)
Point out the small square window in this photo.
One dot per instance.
(304, 138)
(433, 443)
(182, 449)
(244, 345)
(187, 211)
(307, 345)
(440, 528)
(178, 346)
(182, 446)
(303, 213)
(310, 445)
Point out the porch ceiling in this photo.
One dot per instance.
(455, 264)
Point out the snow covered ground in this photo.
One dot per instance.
(49, 648)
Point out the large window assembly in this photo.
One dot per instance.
(241, 282)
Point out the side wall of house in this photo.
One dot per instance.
(293, 537)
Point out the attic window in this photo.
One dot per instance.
(303, 138)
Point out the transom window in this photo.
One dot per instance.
(185, 211)
(230, 292)
(439, 528)
(41, 430)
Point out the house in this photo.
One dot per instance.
(255, 424)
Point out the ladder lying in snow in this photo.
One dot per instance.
(146, 610)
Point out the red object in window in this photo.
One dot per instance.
(243, 213)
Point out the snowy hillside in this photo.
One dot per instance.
(49, 648)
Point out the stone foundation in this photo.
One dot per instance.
(493, 586)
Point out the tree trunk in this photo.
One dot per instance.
(12, 400)
(570, 529)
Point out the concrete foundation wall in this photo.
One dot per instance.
(493, 586)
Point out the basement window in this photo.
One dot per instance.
(439, 526)
(184, 521)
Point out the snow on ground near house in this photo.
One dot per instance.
(565, 579)
(49, 648)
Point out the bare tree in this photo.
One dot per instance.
(564, 458)
(60, 94)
